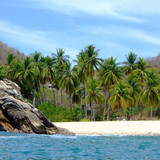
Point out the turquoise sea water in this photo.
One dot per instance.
(19, 146)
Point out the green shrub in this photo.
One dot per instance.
(129, 112)
(60, 114)
(85, 120)
(77, 114)
(113, 115)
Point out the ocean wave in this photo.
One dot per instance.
(104, 135)
(11, 137)
(63, 136)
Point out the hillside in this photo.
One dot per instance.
(5, 50)
(154, 61)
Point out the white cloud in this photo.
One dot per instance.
(120, 9)
(140, 7)
(18, 33)
(122, 32)
(39, 40)
(143, 36)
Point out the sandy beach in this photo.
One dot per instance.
(144, 128)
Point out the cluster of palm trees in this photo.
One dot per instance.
(91, 82)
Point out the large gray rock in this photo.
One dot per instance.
(18, 115)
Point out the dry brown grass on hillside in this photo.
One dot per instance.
(5, 50)
(154, 61)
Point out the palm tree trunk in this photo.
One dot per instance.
(151, 112)
(133, 109)
(104, 111)
(54, 98)
(43, 94)
(34, 97)
(57, 96)
(94, 110)
(86, 110)
(38, 88)
(70, 101)
(91, 110)
(85, 94)
(108, 112)
(142, 103)
(120, 110)
(81, 101)
(91, 74)
(141, 110)
(61, 97)
(40, 99)
(108, 109)
(81, 98)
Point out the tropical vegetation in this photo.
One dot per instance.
(91, 88)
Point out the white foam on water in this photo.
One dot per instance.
(88, 135)
(104, 135)
(63, 136)
(39, 135)
(11, 137)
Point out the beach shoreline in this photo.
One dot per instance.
(132, 128)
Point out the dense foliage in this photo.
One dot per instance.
(60, 114)
(102, 88)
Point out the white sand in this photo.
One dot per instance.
(145, 128)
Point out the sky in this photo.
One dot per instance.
(115, 27)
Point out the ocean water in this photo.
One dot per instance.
(18, 146)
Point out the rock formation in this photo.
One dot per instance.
(18, 115)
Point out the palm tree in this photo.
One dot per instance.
(109, 73)
(10, 64)
(142, 74)
(91, 61)
(135, 89)
(37, 64)
(120, 96)
(43, 75)
(43, 80)
(141, 70)
(2, 72)
(81, 71)
(77, 94)
(57, 85)
(68, 81)
(27, 74)
(93, 94)
(49, 72)
(60, 58)
(151, 93)
(10, 59)
(130, 64)
(16, 66)
(87, 63)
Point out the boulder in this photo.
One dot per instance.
(18, 115)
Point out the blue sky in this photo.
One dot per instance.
(116, 27)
